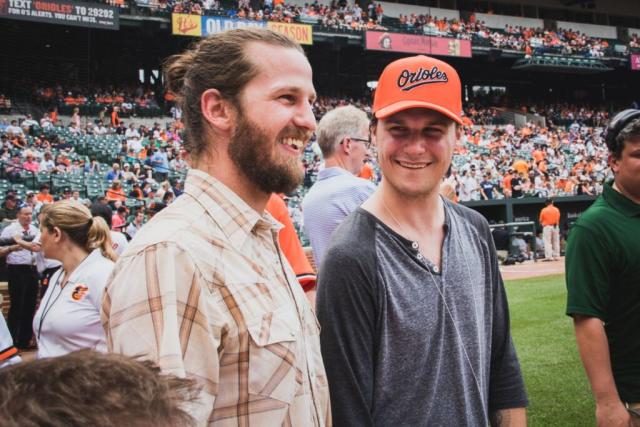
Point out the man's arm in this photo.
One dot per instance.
(30, 246)
(6, 250)
(346, 310)
(594, 352)
(588, 265)
(157, 306)
(507, 394)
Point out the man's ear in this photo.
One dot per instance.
(345, 145)
(614, 163)
(217, 111)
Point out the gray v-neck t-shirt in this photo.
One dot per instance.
(405, 344)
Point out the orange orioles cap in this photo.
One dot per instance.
(419, 82)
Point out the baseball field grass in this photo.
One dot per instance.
(558, 389)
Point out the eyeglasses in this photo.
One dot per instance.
(367, 141)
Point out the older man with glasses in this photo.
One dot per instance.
(343, 137)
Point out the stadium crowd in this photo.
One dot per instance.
(369, 16)
(211, 278)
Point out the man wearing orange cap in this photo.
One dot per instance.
(414, 316)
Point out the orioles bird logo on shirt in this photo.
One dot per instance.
(79, 292)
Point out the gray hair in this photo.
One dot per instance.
(338, 124)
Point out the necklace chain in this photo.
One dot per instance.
(402, 230)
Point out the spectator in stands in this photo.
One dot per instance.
(343, 136)
(44, 196)
(238, 160)
(136, 224)
(116, 192)
(123, 391)
(14, 129)
(47, 164)
(160, 163)
(13, 170)
(10, 208)
(119, 219)
(114, 173)
(30, 163)
(115, 118)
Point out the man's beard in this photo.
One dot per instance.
(251, 151)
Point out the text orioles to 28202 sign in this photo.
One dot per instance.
(64, 12)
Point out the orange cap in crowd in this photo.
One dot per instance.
(419, 82)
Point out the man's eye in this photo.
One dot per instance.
(288, 98)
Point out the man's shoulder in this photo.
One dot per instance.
(354, 236)
(467, 214)
(184, 224)
(595, 217)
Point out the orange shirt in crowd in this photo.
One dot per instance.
(550, 215)
(366, 172)
(506, 181)
(290, 244)
(44, 198)
(115, 120)
(116, 195)
(538, 155)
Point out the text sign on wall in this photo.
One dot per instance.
(412, 43)
(635, 61)
(64, 12)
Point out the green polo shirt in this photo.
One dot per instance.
(603, 281)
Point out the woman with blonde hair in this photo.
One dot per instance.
(68, 318)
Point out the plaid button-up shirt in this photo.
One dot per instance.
(205, 292)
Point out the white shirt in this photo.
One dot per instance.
(6, 345)
(132, 229)
(23, 256)
(119, 242)
(68, 318)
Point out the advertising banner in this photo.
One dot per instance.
(92, 15)
(186, 25)
(413, 43)
(635, 61)
(301, 33)
(215, 24)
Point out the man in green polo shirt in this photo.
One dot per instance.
(603, 281)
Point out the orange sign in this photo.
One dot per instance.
(186, 25)
(301, 33)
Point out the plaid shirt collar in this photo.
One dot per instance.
(233, 215)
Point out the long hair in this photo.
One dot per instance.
(83, 229)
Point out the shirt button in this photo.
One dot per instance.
(414, 245)
(419, 256)
(436, 269)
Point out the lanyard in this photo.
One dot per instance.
(47, 308)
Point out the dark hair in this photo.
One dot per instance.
(623, 126)
(219, 62)
(102, 210)
(87, 388)
(629, 131)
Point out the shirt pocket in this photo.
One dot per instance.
(273, 358)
